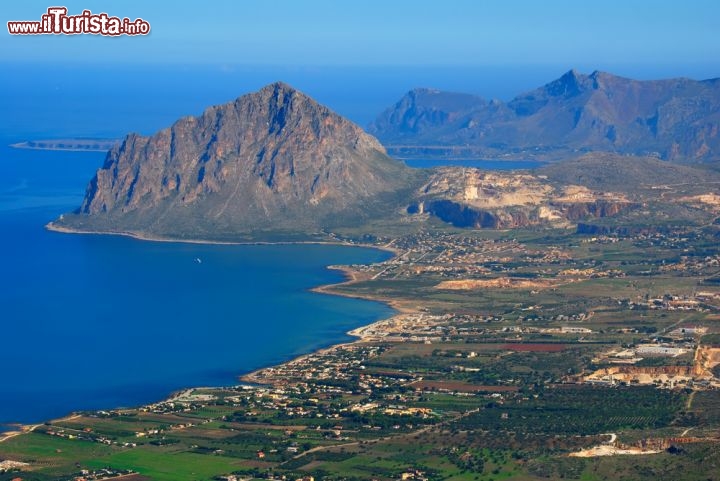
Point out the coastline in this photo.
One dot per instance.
(253, 376)
(51, 226)
(359, 333)
(68, 145)
(28, 428)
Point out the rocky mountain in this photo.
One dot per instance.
(674, 119)
(276, 165)
(425, 111)
(592, 189)
(469, 197)
(274, 160)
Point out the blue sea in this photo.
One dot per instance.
(96, 322)
(484, 164)
(93, 321)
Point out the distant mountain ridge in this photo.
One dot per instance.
(274, 165)
(674, 119)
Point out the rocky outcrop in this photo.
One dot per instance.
(674, 119)
(574, 211)
(463, 215)
(479, 199)
(274, 159)
(276, 165)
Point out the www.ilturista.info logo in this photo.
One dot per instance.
(57, 22)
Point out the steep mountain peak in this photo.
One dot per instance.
(278, 86)
(272, 159)
(573, 83)
(281, 92)
(569, 84)
(599, 78)
(423, 109)
(674, 119)
(572, 74)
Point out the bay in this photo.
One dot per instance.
(96, 322)
(484, 164)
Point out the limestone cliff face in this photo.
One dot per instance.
(575, 211)
(271, 159)
(502, 200)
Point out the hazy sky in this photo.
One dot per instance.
(570, 33)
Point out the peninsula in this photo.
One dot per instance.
(78, 145)
(560, 323)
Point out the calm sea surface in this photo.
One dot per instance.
(90, 321)
(477, 163)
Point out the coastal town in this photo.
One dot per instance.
(491, 330)
(360, 241)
